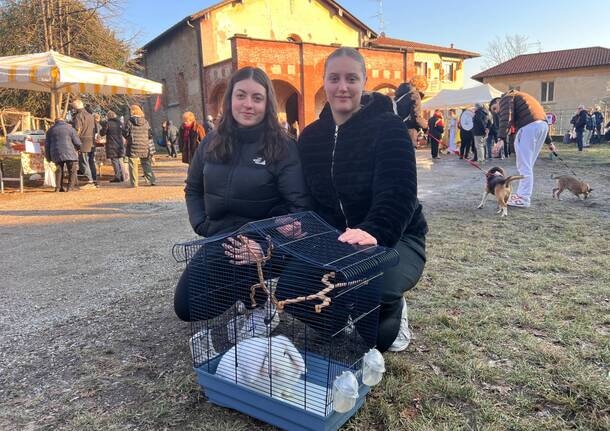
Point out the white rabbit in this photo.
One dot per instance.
(264, 363)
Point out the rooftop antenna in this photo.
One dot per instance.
(379, 16)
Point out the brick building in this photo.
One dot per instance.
(290, 40)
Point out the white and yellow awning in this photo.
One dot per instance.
(55, 72)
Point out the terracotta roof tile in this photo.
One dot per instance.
(547, 61)
(398, 43)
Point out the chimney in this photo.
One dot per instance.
(451, 45)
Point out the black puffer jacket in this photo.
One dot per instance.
(222, 197)
(61, 143)
(481, 121)
(362, 174)
(137, 132)
(408, 104)
(113, 130)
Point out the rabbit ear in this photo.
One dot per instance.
(294, 355)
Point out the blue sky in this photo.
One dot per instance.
(468, 24)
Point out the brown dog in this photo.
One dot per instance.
(577, 187)
(498, 184)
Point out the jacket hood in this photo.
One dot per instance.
(138, 121)
(372, 105)
(403, 89)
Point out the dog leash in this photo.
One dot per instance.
(470, 162)
(565, 164)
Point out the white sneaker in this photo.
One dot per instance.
(201, 347)
(518, 201)
(404, 333)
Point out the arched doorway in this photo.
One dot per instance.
(216, 97)
(287, 102)
(387, 89)
(320, 101)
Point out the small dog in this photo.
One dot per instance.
(577, 187)
(498, 184)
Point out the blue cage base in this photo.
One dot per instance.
(274, 411)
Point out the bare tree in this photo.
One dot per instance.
(500, 49)
(78, 28)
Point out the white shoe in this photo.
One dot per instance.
(404, 333)
(202, 349)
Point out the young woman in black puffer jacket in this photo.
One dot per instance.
(248, 169)
(359, 165)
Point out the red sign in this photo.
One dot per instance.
(551, 118)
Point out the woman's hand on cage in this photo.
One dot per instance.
(357, 236)
(242, 251)
(290, 228)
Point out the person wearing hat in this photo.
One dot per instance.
(527, 115)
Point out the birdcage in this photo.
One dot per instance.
(285, 320)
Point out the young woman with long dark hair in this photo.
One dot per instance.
(247, 169)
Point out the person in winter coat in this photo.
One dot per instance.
(170, 138)
(492, 136)
(138, 134)
(61, 146)
(453, 131)
(599, 122)
(480, 128)
(408, 107)
(580, 122)
(84, 124)
(521, 111)
(115, 149)
(190, 135)
(359, 165)
(208, 126)
(247, 169)
(436, 127)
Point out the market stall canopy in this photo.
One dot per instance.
(54, 72)
(462, 98)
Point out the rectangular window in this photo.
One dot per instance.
(547, 91)
(448, 71)
(421, 68)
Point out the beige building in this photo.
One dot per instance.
(560, 80)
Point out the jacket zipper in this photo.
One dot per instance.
(231, 172)
(332, 175)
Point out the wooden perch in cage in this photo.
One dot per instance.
(322, 294)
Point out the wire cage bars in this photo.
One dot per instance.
(280, 309)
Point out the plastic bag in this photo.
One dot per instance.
(49, 174)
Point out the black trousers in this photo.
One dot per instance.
(467, 140)
(70, 167)
(192, 300)
(433, 146)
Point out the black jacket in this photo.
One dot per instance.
(436, 127)
(221, 197)
(84, 123)
(362, 174)
(113, 131)
(61, 143)
(580, 120)
(480, 122)
(138, 133)
(408, 104)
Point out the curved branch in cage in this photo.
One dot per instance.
(321, 295)
(260, 261)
